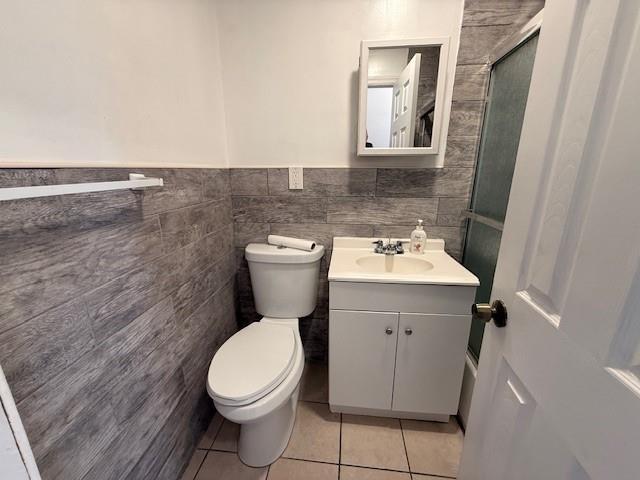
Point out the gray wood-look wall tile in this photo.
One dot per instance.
(500, 12)
(466, 118)
(115, 304)
(88, 332)
(279, 209)
(424, 182)
(249, 181)
(131, 395)
(83, 445)
(461, 151)
(215, 184)
(164, 458)
(470, 82)
(186, 225)
(450, 211)
(204, 331)
(25, 220)
(322, 233)
(46, 275)
(26, 177)
(136, 435)
(391, 211)
(37, 349)
(314, 333)
(245, 233)
(477, 43)
(72, 395)
(199, 255)
(322, 182)
(182, 187)
(88, 209)
(188, 297)
(199, 409)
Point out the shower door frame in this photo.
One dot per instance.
(528, 30)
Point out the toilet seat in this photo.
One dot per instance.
(251, 363)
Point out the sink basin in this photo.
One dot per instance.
(393, 264)
(353, 260)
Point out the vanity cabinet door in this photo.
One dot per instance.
(430, 362)
(362, 353)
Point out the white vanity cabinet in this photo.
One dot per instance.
(397, 350)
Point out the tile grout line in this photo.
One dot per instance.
(340, 447)
(200, 466)
(404, 444)
(366, 467)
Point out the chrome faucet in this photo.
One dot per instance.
(389, 248)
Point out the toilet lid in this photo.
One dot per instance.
(251, 363)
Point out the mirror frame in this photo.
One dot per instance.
(365, 46)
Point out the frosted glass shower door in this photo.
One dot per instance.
(504, 113)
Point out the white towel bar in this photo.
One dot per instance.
(136, 180)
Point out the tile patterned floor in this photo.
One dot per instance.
(333, 446)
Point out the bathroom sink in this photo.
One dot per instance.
(353, 260)
(377, 263)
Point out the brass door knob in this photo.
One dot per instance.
(496, 311)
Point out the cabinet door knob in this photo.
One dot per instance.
(408, 331)
(388, 330)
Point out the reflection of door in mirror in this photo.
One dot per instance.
(401, 96)
(405, 101)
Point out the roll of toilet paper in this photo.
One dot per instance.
(297, 243)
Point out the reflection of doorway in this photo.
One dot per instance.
(405, 100)
(379, 100)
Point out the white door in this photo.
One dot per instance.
(11, 464)
(431, 351)
(362, 360)
(558, 389)
(405, 101)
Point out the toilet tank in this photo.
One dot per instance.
(284, 280)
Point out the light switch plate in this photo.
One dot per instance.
(295, 178)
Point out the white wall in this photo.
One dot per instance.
(290, 74)
(387, 61)
(379, 102)
(110, 83)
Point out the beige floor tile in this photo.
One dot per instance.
(358, 473)
(194, 465)
(417, 476)
(210, 435)
(433, 448)
(315, 383)
(316, 434)
(227, 466)
(287, 469)
(227, 438)
(373, 442)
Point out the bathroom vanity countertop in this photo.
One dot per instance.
(353, 260)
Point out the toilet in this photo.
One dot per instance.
(254, 377)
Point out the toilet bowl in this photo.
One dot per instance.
(254, 377)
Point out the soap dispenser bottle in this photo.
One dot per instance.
(418, 238)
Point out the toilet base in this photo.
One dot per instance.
(261, 443)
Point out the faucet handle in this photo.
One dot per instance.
(399, 247)
(378, 242)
